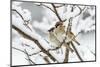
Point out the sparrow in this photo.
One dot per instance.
(53, 40)
(59, 32)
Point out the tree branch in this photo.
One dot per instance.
(18, 49)
(56, 12)
(35, 41)
(66, 55)
(76, 52)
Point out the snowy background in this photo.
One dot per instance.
(41, 20)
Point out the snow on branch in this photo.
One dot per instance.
(35, 41)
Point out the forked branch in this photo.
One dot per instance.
(26, 22)
(35, 41)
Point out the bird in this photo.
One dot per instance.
(59, 32)
(56, 37)
(53, 40)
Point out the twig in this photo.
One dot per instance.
(76, 52)
(24, 51)
(56, 12)
(35, 41)
(27, 46)
(18, 49)
(25, 21)
(30, 61)
(47, 7)
(28, 58)
(81, 10)
(35, 53)
(18, 13)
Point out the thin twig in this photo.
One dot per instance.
(18, 49)
(30, 61)
(47, 7)
(28, 58)
(18, 14)
(24, 51)
(35, 53)
(81, 10)
(27, 46)
(56, 12)
(76, 52)
(35, 41)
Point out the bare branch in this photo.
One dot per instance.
(35, 41)
(18, 49)
(28, 58)
(56, 12)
